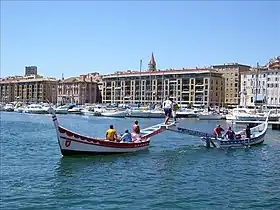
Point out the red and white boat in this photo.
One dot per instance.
(72, 143)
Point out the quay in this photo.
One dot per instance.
(274, 124)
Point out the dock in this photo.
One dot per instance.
(274, 124)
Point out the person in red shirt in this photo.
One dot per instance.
(218, 131)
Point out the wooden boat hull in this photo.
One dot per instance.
(257, 138)
(72, 143)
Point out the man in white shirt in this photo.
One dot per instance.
(167, 106)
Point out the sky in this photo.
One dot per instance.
(78, 37)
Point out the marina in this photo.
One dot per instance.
(29, 142)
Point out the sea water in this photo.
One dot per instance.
(175, 173)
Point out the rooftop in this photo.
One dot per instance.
(162, 72)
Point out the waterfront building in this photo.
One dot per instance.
(232, 74)
(187, 86)
(80, 90)
(31, 88)
(30, 70)
(261, 86)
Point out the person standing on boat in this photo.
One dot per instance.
(167, 107)
(175, 107)
(111, 134)
(248, 132)
(218, 131)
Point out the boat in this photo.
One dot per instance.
(9, 108)
(36, 109)
(72, 143)
(139, 113)
(114, 113)
(209, 116)
(209, 140)
(62, 110)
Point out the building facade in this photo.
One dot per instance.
(261, 86)
(186, 86)
(232, 74)
(28, 89)
(79, 90)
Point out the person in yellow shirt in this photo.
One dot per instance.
(111, 134)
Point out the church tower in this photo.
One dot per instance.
(152, 64)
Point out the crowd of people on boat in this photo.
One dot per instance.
(230, 134)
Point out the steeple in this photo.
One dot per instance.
(152, 64)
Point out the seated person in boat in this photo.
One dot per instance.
(248, 132)
(136, 132)
(167, 106)
(111, 134)
(230, 134)
(126, 137)
(218, 131)
(135, 127)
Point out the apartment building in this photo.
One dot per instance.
(186, 86)
(232, 74)
(261, 86)
(80, 90)
(33, 88)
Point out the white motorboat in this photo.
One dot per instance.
(209, 116)
(186, 113)
(36, 109)
(9, 108)
(61, 110)
(139, 113)
(114, 113)
(75, 110)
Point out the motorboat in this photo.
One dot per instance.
(62, 110)
(209, 115)
(114, 113)
(36, 109)
(9, 108)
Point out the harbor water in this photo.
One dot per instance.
(175, 173)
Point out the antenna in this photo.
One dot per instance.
(62, 76)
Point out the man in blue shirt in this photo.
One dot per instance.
(126, 137)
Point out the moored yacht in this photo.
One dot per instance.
(36, 109)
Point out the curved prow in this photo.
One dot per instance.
(267, 116)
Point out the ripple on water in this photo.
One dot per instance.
(176, 172)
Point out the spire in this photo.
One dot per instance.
(152, 64)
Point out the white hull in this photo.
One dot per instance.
(114, 114)
(61, 111)
(145, 114)
(209, 117)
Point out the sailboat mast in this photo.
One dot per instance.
(256, 85)
(140, 82)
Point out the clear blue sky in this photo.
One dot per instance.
(79, 37)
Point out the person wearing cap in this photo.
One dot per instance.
(167, 107)
(230, 134)
(126, 137)
(218, 131)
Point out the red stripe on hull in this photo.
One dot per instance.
(110, 144)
